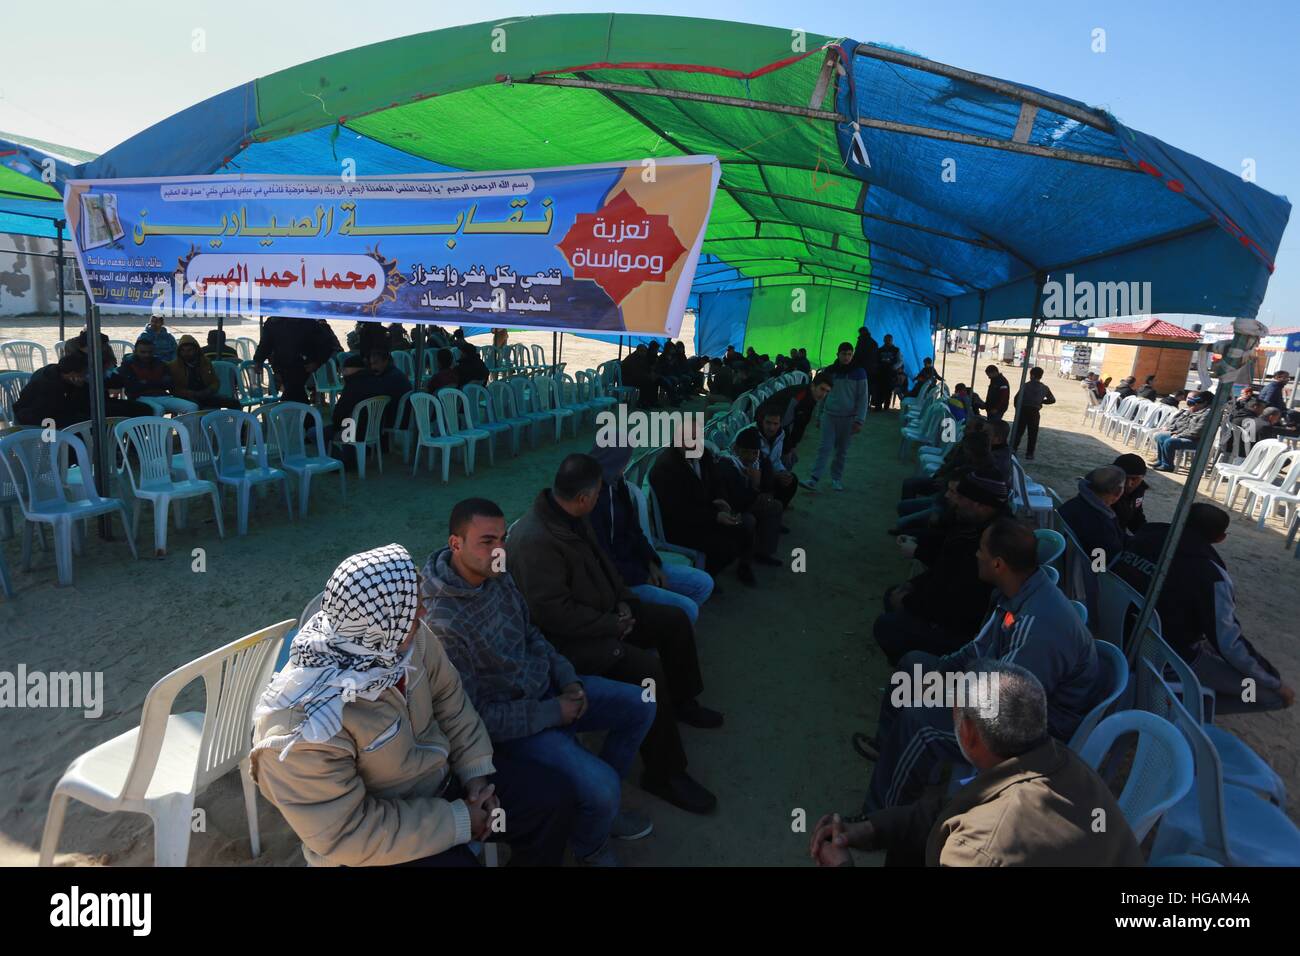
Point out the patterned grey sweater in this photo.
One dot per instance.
(510, 671)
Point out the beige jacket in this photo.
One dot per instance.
(1038, 809)
(369, 796)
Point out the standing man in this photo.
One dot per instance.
(997, 398)
(842, 418)
(1029, 404)
(294, 348)
(1272, 395)
(890, 360)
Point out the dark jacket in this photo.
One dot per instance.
(46, 395)
(1272, 394)
(140, 379)
(1033, 810)
(949, 591)
(796, 405)
(359, 386)
(471, 368)
(1148, 392)
(1034, 396)
(571, 585)
(686, 502)
(1129, 509)
(288, 343)
(1093, 523)
(998, 396)
(1190, 422)
(737, 488)
(618, 529)
(1198, 609)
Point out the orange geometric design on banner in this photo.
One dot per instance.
(620, 246)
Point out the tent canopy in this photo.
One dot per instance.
(30, 206)
(859, 182)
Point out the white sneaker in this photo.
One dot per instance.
(837, 484)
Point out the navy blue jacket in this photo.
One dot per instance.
(618, 529)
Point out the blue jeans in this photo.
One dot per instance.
(612, 706)
(685, 587)
(1167, 445)
(168, 403)
(836, 432)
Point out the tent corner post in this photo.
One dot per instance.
(98, 415)
(58, 277)
(419, 354)
(1035, 317)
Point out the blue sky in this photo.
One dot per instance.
(1218, 80)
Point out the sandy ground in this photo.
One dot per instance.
(791, 663)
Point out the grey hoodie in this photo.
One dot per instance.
(510, 671)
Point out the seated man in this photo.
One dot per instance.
(1031, 802)
(148, 380)
(471, 369)
(1033, 625)
(577, 598)
(530, 698)
(1091, 516)
(379, 377)
(1127, 387)
(1198, 612)
(1148, 389)
(771, 448)
(61, 393)
(1184, 430)
(446, 376)
(366, 744)
(1129, 507)
(193, 378)
(617, 525)
(941, 608)
(971, 453)
(217, 349)
(1273, 394)
(1268, 425)
(749, 487)
(163, 342)
(695, 511)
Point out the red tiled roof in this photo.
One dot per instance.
(1152, 326)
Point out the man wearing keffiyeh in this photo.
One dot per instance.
(357, 738)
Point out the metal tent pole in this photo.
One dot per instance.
(1034, 318)
(1209, 435)
(554, 360)
(943, 364)
(620, 348)
(98, 414)
(58, 226)
(975, 352)
(419, 355)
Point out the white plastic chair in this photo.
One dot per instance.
(33, 467)
(1231, 825)
(370, 413)
(1161, 772)
(121, 348)
(327, 380)
(151, 441)
(505, 411)
(1254, 465)
(1155, 425)
(233, 438)
(1114, 669)
(227, 378)
(1280, 486)
(1104, 409)
(483, 417)
(288, 421)
(528, 405)
(405, 364)
(1093, 407)
(256, 384)
(1143, 412)
(458, 418)
(548, 400)
(426, 410)
(652, 528)
(246, 348)
(160, 767)
(20, 355)
(11, 386)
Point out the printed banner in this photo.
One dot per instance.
(606, 248)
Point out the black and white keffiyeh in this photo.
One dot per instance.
(349, 648)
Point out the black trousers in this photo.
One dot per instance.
(1026, 423)
(540, 805)
(722, 544)
(675, 670)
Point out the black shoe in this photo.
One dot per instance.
(768, 560)
(746, 575)
(682, 792)
(697, 715)
(893, 532)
